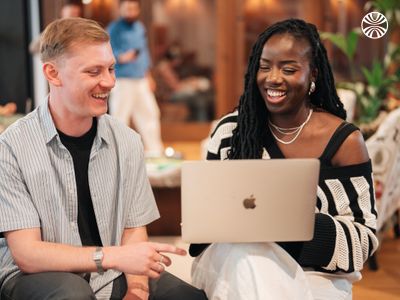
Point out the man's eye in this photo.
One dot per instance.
(93, 72)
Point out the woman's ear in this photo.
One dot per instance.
(51, 73)
(314, 74)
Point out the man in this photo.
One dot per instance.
(132, 100)
(74, 195)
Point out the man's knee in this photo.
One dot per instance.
(74, 287)
(49, 285)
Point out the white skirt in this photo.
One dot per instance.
(264, 271)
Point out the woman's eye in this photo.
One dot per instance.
(264, 68)
(289, 71)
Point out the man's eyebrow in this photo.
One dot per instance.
(97, 66)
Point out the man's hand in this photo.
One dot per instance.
(142, 258)
(127, 56)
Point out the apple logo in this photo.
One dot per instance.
(249, 203)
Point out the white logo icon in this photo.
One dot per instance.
(374, 25)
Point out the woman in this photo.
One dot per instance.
(290, 109)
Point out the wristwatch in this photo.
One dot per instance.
(98, 259)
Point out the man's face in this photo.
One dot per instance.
(130, 11)
(86, 74)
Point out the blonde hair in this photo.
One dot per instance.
(61, 34)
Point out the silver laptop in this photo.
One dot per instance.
(249, 200)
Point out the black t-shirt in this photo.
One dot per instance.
(80, 147)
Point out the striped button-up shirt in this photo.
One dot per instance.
(38, 187)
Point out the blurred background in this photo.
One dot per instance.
(210, 40)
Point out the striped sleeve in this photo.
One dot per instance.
(355, 222)
(344, 235)
(221, 137)
(17, 208)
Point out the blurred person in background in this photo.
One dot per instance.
(70, 9)
(194, 90)
(132, 100)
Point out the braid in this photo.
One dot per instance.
(325, 96)
(248, 136)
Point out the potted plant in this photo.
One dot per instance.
(377, 92)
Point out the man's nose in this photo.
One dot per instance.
(108, 80)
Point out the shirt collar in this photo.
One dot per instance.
(50, 131)
(49, 128)
(103, 131)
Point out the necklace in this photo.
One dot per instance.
(289, 131)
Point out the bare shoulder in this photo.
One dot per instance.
(352, 151)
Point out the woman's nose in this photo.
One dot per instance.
(274, 76)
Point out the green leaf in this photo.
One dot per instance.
(347, 44)
(337, 39)
(375, 76)
(352, 39)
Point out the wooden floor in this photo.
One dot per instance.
(383, 284)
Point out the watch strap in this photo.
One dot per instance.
(98, 259)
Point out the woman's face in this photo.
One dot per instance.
(284, 75)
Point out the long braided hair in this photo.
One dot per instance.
(248, 136)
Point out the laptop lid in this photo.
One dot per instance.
(249, 200)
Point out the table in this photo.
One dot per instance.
(165, 179)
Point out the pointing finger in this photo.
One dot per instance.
(159, 247)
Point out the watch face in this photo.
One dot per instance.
(98, 254)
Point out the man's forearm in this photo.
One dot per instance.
(133, 257)
(45, 256)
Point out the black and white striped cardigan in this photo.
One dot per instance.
(345, 223)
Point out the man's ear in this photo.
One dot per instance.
(50, 71)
